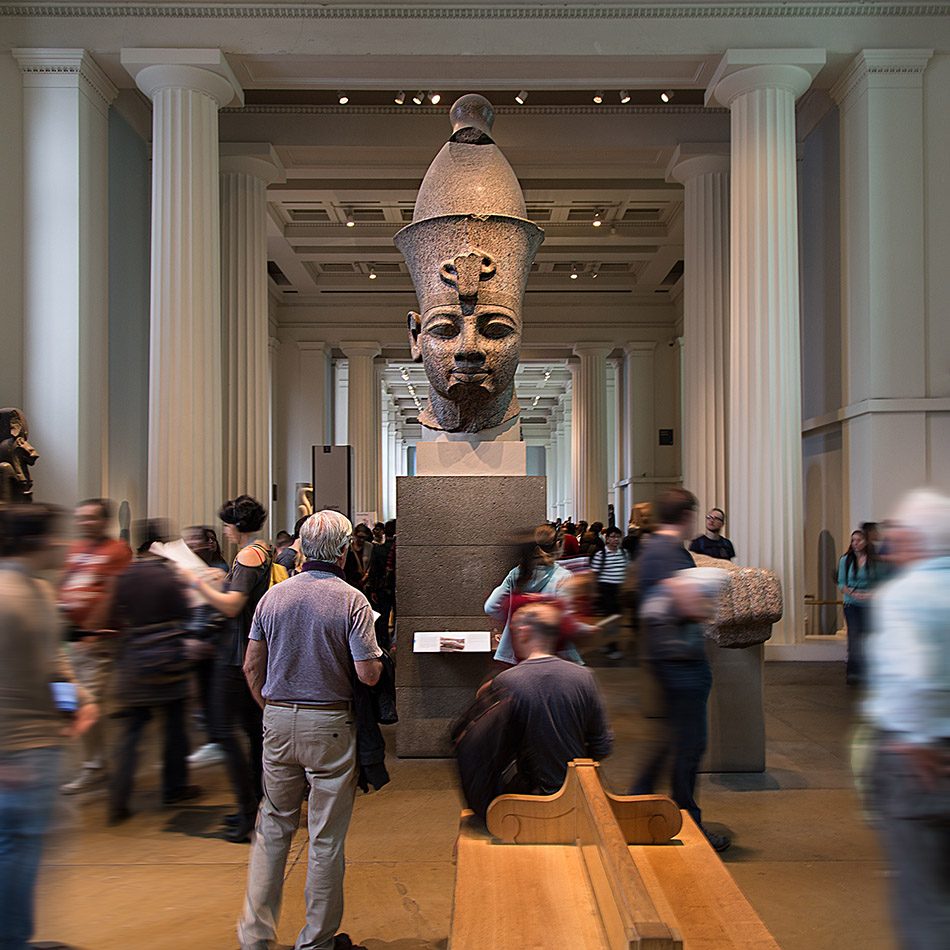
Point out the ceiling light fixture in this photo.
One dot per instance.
(598, 219)
(372, 272)
(624, 97)
(350, 223)
(419, 98)
(573, 272)
(400, 98)
(343, 98)
(435, 98)
(667, 95)
(521, 97)
(598, 97)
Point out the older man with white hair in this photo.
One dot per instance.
(306, 633)
(908, 703)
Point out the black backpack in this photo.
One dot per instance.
(486, 740)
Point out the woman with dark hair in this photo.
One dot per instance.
(537, 572)
(858, 572)
(234, 706)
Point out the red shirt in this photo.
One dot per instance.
(570, 548)
(89, 565)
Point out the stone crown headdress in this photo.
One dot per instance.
(469, 240)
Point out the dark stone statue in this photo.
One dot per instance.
(469, 250)
(16, 457)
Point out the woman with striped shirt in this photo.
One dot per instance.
(610, 566)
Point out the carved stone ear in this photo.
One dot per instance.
(415, 328)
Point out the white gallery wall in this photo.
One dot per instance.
(11, 233)
(129, 219)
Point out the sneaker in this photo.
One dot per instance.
(209, 754)
(719, 843)
(88, 778)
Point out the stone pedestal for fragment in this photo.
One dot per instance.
(748, 607)
(469, 249)
(450, 556)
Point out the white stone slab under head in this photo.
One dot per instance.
(461, 458)
(451, 641)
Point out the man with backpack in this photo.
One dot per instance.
(554, 712)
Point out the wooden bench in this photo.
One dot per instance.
(587, 869)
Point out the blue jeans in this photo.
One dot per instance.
(856, 618)
(28, 784)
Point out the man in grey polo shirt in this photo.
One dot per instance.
(305, 632)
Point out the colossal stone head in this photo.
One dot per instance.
(469, 249)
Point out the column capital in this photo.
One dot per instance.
(903, 68)
(597, 349)
(66, 68)
(257, 159)
(200, 70)
(360, 348)
(744, 70)
(313, 346)
(640, 348)
(690, 161)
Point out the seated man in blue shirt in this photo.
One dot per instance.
(711, 542)
(558, 712)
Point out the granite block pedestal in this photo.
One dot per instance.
(454, 547)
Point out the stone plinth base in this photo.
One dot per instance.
(735, 714)
(460, 458)
(454, 547)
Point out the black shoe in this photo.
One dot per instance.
(186, 793)
(117, 815)
(343, 942)
(241, 832)
(718, 842)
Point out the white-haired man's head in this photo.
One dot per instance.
(925, 515)
(325, 535)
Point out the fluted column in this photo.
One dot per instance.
(765, 447)
(186, 457)
(65, 346)
(567, 456)
(246, 171)
(639, 393)
(705, 177)
(889, 357)
(363, 424)
(590, 431)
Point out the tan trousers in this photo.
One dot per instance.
(301, 747)
(92, 666)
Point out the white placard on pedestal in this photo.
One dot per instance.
(446, 641)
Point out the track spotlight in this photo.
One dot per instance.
(598, 219)
(419, 98)
(343, 98)
(400, 98)
(624, 97)
(667, 95)
(521, 97)
(350, 223)
(573, 272)
(372, 272)
(435, 98)
(599, 97)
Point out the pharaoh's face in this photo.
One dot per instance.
(469, 356)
